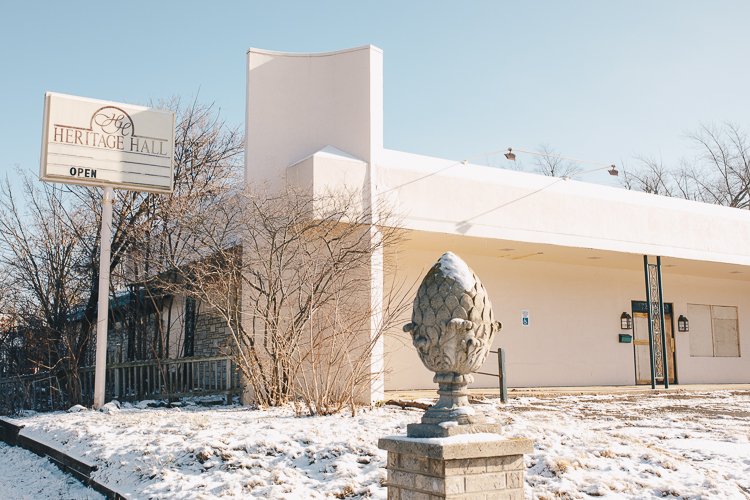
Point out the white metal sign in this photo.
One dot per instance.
(101, 143)
(524, 317)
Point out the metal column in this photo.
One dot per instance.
(650, 324)
(663, 329)
(657, 335)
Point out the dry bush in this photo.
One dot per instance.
(291, 273)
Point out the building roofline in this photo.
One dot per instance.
(311, 54)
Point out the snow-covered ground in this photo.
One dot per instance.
(25, 476)
(687, 445)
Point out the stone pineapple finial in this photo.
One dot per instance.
(452, 329)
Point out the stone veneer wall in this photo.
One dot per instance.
(211, 335)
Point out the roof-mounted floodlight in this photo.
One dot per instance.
(512, 156)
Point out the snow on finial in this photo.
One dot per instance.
(453, 267)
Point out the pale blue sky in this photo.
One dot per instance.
(596, 80)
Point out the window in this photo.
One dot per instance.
(714, 331)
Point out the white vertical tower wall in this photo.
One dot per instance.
(298, 104)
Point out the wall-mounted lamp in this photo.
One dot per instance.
(509, 155)
(682, 324)
(626, 321)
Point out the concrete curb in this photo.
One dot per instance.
(80, 469)
(553, 392)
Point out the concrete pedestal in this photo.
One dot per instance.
(466, 467)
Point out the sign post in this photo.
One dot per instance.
(102, 318)
(110, 145)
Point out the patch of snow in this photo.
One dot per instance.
(145, 404)
(76, 408)
(426, 401)
(479, 437)
(462, 410)
(110, 407)
(24, 475)
(452, 266)
(451, 423)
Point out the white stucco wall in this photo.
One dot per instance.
(330, 169)
(575, 313)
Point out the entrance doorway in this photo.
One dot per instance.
(641, 345)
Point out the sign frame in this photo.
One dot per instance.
(44, 174)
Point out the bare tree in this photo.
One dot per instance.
(48, 265)
(301, 328)
(50, 245)
(148, 228)
(718, 172)
(549, 164)
(650, 176)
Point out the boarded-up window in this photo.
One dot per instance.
(726, 333)
(713, 331)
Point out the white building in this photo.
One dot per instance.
(570, 253)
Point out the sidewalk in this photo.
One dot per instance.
(548, 392)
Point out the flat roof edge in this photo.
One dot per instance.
(573, 187)
(311, 54)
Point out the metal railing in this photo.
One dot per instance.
(131, 381)
(500, 374)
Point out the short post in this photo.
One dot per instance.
(501, 373)
(100, 371)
